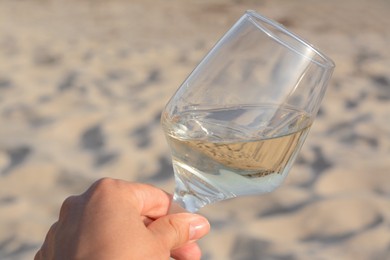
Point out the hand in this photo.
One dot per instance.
(118, 220)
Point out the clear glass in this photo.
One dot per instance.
(237, 122)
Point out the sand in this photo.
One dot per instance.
(82, 85)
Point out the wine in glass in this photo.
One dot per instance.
(237, 122)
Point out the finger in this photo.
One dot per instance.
(189, 251)
(146, 200)
(178, 229)
(153, 202)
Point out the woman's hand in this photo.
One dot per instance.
(115, 219)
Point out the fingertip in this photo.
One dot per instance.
(199, 227)
(179, 229)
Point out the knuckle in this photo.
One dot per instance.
(104, 185)
(105, 189)
(180, 233)
(52, 231)
(46, 251)
(67, 206)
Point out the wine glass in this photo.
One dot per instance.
(237, 122)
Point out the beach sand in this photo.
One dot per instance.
(82, 86)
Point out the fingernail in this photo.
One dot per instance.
(199, 227)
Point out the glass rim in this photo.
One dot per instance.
(326, 61)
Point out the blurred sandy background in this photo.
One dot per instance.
(83, 83)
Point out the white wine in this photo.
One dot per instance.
(229, 152)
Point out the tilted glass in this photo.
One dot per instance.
(237, 122)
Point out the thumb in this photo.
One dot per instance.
(177, 229)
